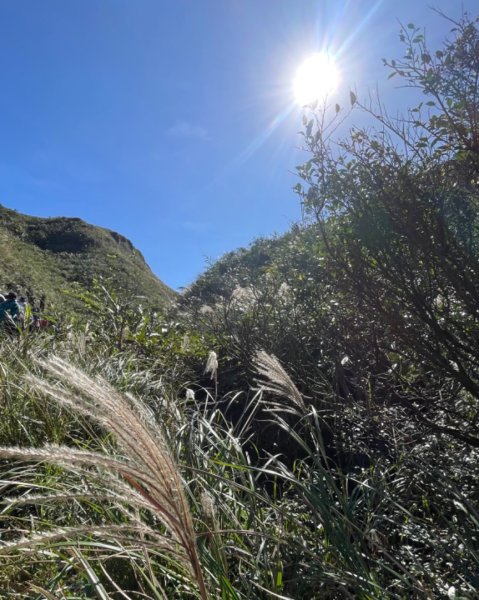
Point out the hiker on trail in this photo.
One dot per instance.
(9, 311)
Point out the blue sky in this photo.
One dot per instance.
(173, 121)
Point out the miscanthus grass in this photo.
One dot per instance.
(181, 503)
(140, 476)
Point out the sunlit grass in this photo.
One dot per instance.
(165, 496)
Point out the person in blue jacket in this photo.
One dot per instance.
(9, 310)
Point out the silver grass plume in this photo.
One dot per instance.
(145, 477)
(212, 365)
(276, 380)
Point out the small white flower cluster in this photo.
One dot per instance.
(212, 365)
(205, 309)
(243, 295)
(284, 290)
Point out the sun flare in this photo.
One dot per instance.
(315, 79)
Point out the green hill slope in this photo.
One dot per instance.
(55, 257)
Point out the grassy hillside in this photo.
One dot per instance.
(56, 257)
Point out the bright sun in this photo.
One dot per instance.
(317, 77)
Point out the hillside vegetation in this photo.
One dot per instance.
(303, 423)
(61, 258)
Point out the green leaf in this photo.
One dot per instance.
(279, 577)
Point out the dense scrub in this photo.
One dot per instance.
(329, 449)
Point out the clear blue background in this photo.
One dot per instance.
(173, 121)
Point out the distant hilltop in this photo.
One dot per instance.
(59, 258)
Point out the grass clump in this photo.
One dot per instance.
(145, 478)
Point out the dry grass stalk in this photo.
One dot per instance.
(146, 476)
(277, 382)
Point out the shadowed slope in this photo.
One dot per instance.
(44, 257)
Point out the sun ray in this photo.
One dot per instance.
(362, 23)
(261, 138)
